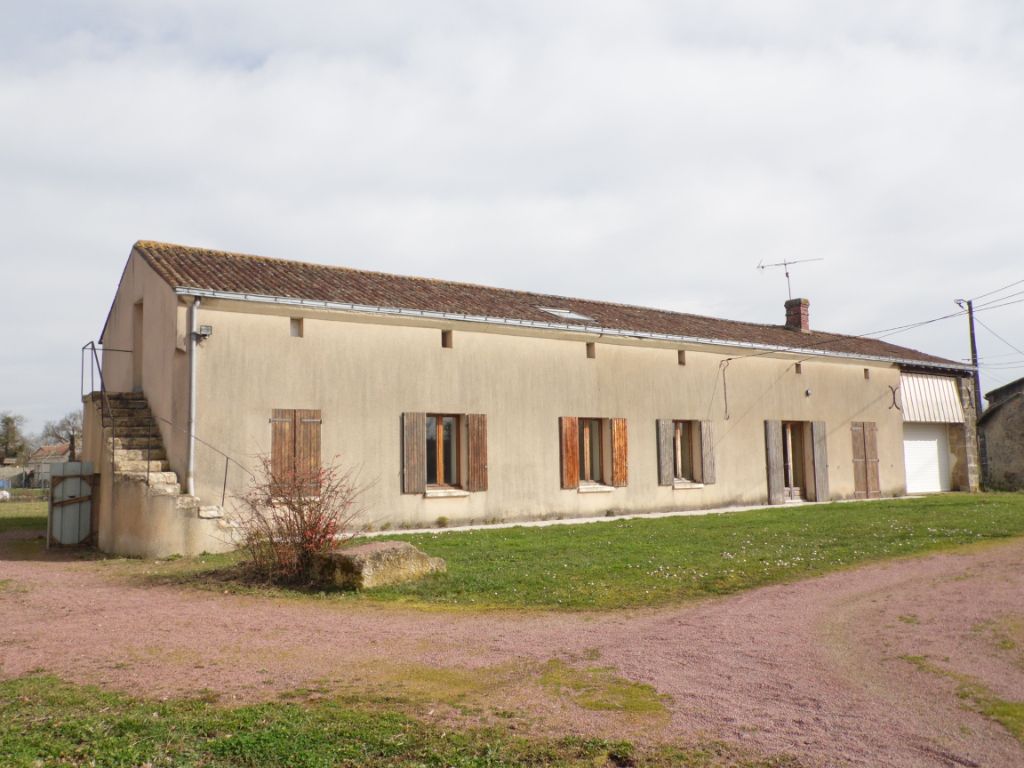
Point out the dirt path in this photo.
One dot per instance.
(814, 669)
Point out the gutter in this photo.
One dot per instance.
(538, 325)
(193, 312)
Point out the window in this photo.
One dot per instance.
(686, 454)
(590, 451)
(591, 350)
(444, 451)
(681, 356)
(296, 327)
(594, 452)
(798, 368)
(446, 339)
(682, 451)
(565, 314)
(867, 373)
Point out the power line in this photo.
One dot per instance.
(997, 290)
(1015, 349)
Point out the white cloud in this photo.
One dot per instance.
(645, 152)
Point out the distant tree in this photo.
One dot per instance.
(13, 444)
(65, 430)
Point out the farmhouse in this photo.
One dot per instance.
(473, 403)
(42, 459)
(1002, 429)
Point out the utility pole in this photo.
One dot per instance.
(974, 355)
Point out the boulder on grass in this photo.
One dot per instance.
(376, 564)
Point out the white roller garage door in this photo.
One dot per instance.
(926, 453)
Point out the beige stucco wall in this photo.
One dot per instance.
(165, 361)
(364, 375)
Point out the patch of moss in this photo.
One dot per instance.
(601, 689)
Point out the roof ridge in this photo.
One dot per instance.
(159, 245)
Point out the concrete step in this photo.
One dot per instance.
(136, 442)
(164, 489)
(132, 422)
(130, 465)
(186, 503)
(139, 454)
(155, 478)
(211, 512)
(127, 430)
(133, 403)
(123, 414)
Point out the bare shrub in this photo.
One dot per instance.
(289, 517)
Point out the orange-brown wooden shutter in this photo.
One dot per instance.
(476, 429)
(707, 453)
(620, 453)
(307, 449)
(414, 452)
(282, 446)
(569, 428)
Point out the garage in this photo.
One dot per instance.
(926, 453)
(930, 405)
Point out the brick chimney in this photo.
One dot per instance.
(798, 316)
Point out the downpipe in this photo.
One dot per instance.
(193, 342)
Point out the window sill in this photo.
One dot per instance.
(445, 493)
(683, 485)
(594, 488)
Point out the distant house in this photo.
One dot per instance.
(1002, 429)
(38, 464)
(472, 403)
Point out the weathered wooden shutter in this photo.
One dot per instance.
(282, 445)
(707, 453)
(773, 456)
(871, 462)
(414, 452)
(569, 428)
(307, 449)
(666, 452)
(476, 448)
(818, 432)
(860, 475)
(620, 453)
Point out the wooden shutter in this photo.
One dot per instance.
(860, 476)
(307, 449)
(666, 452)
(476, 428)
(620, 453)
(874, 489)
(569, 429)
(773, 456)
(414, 452)
(282, 445)
(707, 453)
(818, 431)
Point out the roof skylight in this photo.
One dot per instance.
(565, 314)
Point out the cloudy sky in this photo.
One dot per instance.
(644, 152)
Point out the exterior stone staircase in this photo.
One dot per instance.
(132, 435)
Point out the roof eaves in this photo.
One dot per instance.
(538, 325)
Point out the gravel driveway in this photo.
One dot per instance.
(815, 669)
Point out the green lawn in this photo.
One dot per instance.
(645, 562)
(45, 722)
(651, 562)
(23, 515)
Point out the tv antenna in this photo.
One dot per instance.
(786, 264)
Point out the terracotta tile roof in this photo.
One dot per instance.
(198, 268)
(54, 451)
